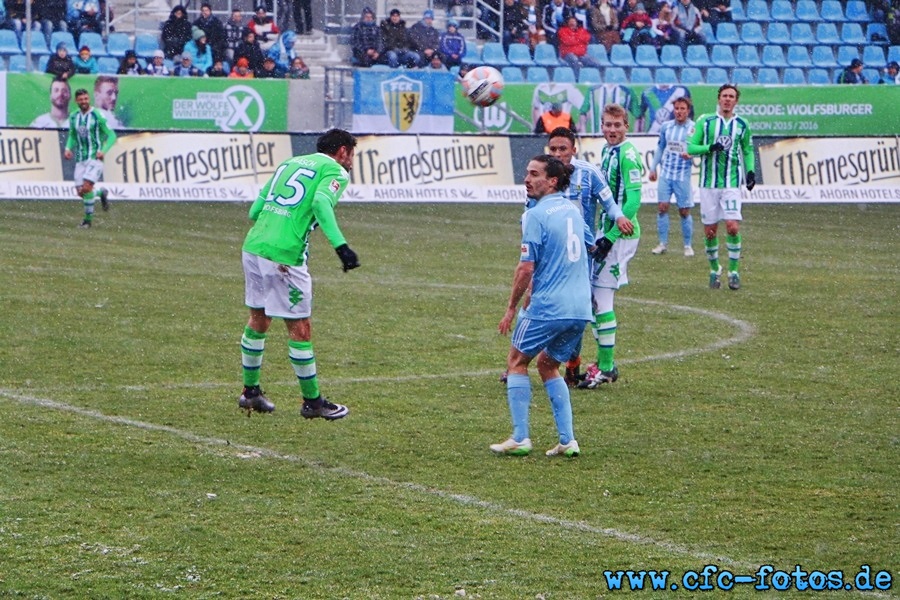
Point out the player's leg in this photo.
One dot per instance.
(664, 194)
(710, 214)
(557, 391)
(88, 200)
(604, 329)
(527, 340)
(685, 203)
(733, 236)
(253, 339)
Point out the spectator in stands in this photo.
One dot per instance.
(186, 68)
(892, 20)
(891, 73)
(199, 50)
(249, 49)
(129, 64)
(61, 64)
(553, 118)
(853, 74)
(217, 69)
(52, 16)
(552, 19)
(89, 21)
(215, 31)
(298, 69)
(397, 45)
(157, 65)
(488, 22)
(582, 11)
(269, 70)
(605, 21)
(453, 45)
(264, 27)
(436, 63)
(715, 12)
(5, 23)
(176, 32)
(15, 11)
(303, 21)
(459, 8)
(424, 37)
(234, 33)
(664, 30)
(366, 41)
(84, 62)
(637, 28)
(689, 24)
(241, 69)
(626, 8)
(535, 31)
(573, 45)
(515, 23)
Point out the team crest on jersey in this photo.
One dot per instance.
(335, 185)
(726, 141)
(402, 98)
(631, 154)
(524, 250)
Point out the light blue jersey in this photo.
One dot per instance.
(553, 234)
(672, 144)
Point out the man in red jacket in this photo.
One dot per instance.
(573, 45)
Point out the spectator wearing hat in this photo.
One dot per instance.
(217, 69)
(298, 69)
(853, 74)
(424, 37)
(241, 69)
(89, 21)
(199, 49)
(186, 68)
(214, 30)
(637, 28)
(157, 65)
(891, 73)
(249, 48)
(366, 41)
(436, 64)
(397, 43)
(265, 28)
(553, 118)
(234, 32)
(85, 63)
(129, 64)
(452, 46)
(269, 70)
(61, 64)
(176, 32)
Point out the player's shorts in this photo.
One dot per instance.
(89, 170)
(682, 190)
(612, 273)
(559, 338)
(282, 291)
(717, 204)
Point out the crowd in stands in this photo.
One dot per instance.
(393, 44)
(49, 16)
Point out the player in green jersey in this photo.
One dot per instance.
(299, 197)
(620, 163)
(725, 143)
(90, 138)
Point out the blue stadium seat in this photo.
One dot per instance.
(39, 45)
(492, 54)
(806, 10)
(752, 33)
(537, 75)
(696, 56)
(748, 56)
(118, 43)
(9, 43)
(716, 76)
(519, 55)
(801, 33)
(42, 63)
(818, 77)
(778, 34)
(589, 75)
(798, 56)
(773, 56)
(794, 76)
(2, 65)
(107, 65)
(852, 33)
(856, 10)
(758, 10)
(737, 12)
(742, 76)
(671, 56)
(66, 38)
(832, 11)
(767, 76)
(598, 53)
(727, 33)
(18, 63)
(94, 42)
(645, 56)
(878, 30)
(893, 53)
(823, 57)
(872, 75)
(545, 55)
(665, 75)
(620, 56)
(708, 34)
(691, 76)
(512, 75)
(827, 34)
(614, 75)
(563, 75)
(873, 56)
(782, 11)
(641, 76)
(846, 54)
(145, 44)
(722, 56)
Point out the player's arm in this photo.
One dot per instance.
(521, 284)
(72, 139)
(323, 203)
(631, 175)
(749, 159)
(657, 156)
(257, 205)
(108, 134)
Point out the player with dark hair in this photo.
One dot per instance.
(554, 267)
(300, 196)
(725, 144)
(90, 138)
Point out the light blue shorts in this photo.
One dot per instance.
(558, 338)
(682, 190)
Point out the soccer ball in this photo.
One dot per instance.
(483, 85)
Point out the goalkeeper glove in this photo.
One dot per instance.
(751, 180)
(604, 245)
(717, 147)
(348, 257)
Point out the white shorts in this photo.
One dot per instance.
(717, 204)
(612, 273)
(281, 290)
(89, 170)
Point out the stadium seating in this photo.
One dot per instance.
(748, 56)
(671, 56)
(773, 56)
(564, 75)
(846, 54)
(665, 75)
(492, 54)
(614, 75)
(519, 55)
(742, 76)
(620, 56)
(872, 75)
(691, 76)
(767, 76)
(876, 33)
(537, 75)
(64, 37)
(752, 33)
(802, 34)
(512, 74)
(38, 45)
(145, 44)
(107, 65)
(9, 43)
(18, 63)
(794, 76)
(818, 77)
(727, 33)
(598, 53)
(893, 53)
(117, 44)
(832, 11)
(545, 55)
(589, 75)
(873, 56)
(827, 34)
(852, 33)
(807, 11)
(645, 56)
(823, 57)
(758, 10)
(641, 76)
(94, 42)
(797, 56)
(856, 10)
(42, 63)
(782, 10)
(716, 76)
(2, 65)
(737, 12)
(722, 56)
(778, 33)
(696, 56)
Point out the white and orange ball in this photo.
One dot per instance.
(483, 85)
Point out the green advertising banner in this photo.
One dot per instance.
(134, 102)
(840, 110)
